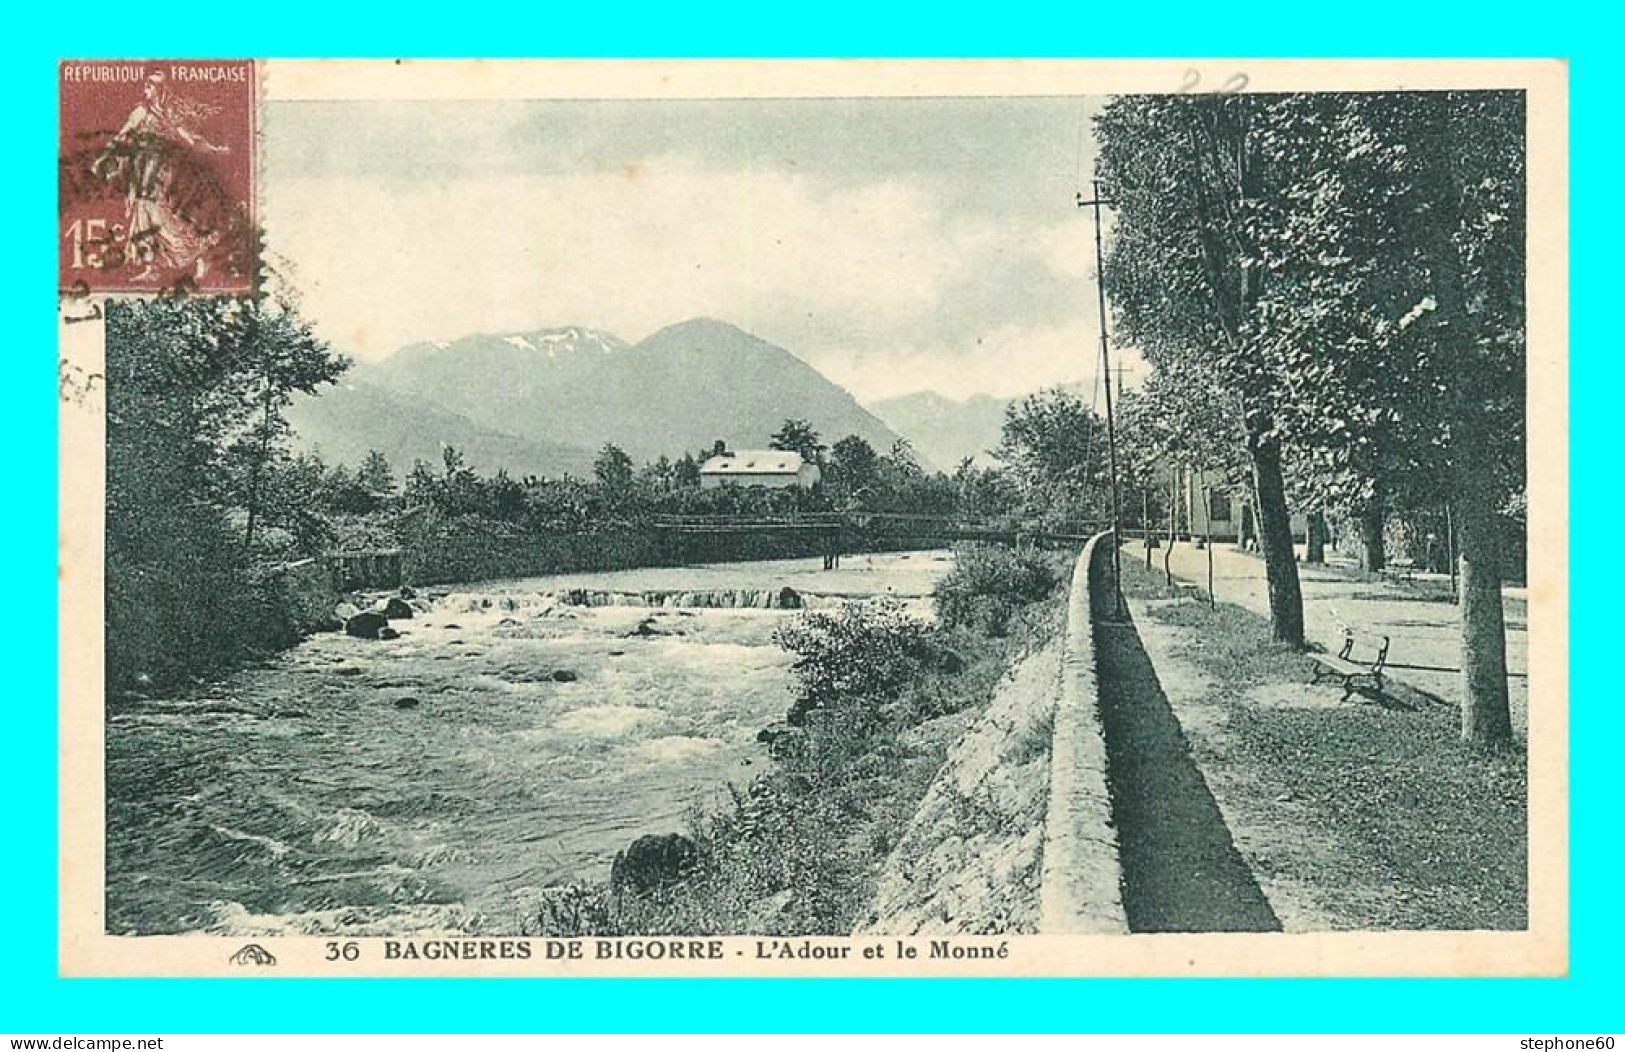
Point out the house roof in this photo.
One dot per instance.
(754, 462)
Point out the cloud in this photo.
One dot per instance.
(385, 262)
(1009, 361)
(854, 273)
(1068, 247)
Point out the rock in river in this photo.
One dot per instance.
(646, 628)
(366, 625)
(652, 861)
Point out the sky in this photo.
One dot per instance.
(896, 245)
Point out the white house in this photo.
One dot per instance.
(1212, 510)
(774, 468)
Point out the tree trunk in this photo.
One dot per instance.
(1372, 555)
(1173, 519)
(254, 479)
(1314, 547)
(1275, 541)
(1145, 522)
(1450, 553)
(1486, 716)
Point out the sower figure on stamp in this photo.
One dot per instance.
(145, 152)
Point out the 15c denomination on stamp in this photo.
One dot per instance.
(156, 176)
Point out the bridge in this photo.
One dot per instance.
(711, 538)
(876, 525)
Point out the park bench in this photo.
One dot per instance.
(1362, 657)
(1401, 569)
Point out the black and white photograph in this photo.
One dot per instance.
(871, 518)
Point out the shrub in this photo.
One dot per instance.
(851, 662)
(989, 582)
(797, 852)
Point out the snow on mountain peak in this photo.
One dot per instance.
(574, 337)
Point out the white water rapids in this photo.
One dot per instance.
(440, 781)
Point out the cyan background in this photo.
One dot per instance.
(33, 999)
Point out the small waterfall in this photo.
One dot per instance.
(713, 599)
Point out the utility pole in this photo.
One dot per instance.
(1106, 367)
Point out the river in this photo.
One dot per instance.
(438, 782)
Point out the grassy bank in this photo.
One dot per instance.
(1369, 813)
(881, 698)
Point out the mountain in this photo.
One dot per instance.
(944, 430)
(518, 383)
(557, 392)
(345, 421)
(702, 380)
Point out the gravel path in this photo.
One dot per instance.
(1423, 625)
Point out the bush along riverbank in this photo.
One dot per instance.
(880, 697)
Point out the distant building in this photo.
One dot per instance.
(1211, 510)
(774, 468)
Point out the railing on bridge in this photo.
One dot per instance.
(887, 523)
(735, 524)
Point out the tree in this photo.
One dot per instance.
(278, 355)
(854, 468)
(293, 503)
(658, 477)
(686, 472)
(1349, 267)
(1332, 302)
(196, 465)
(1466, 209)
(902, 459)
(375, 476)
(339, 491)
(984, 493)
(422, 488)
(614, 472)
(1186, 279)
(1399, 257)
(798, 436)
(459, 491)
(1056, 447)
(504, 497)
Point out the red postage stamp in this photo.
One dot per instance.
(156, 177)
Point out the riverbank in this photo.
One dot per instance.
(801, 849)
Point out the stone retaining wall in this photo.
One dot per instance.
(968, 862)
(1015, 834)
(1080, 889)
